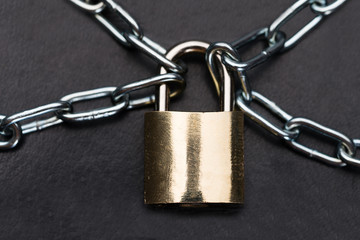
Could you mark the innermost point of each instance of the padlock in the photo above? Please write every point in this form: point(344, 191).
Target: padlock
point(194, 159)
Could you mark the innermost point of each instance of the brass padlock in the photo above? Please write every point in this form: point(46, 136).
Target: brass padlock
point(194, 159)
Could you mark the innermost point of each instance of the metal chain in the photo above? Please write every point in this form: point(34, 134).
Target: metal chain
point(276, 39)
point(11, 128)
point(293, 126)
point(131, 37)
point(62, 111)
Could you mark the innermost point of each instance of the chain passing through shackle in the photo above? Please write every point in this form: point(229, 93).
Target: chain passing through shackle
point(194, 159)
point(13, 127)
point(278, 42)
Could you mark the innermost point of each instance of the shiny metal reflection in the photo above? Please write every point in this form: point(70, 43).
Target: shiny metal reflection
point(194, 159)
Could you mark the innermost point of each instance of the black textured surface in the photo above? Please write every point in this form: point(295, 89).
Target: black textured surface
point(86, 182)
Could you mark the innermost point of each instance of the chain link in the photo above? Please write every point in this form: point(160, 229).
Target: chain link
point(326, 9)
point(39, 125)
point(98, 8)
point(349, 158)
point(175, 81)
point(289, 14)
point(131, 37)
point(285, 134)
point(344, 141)
point(60, 106)
point(260, 34)
point(92, 114)
point(13, 135)
point(227, 49)
point(293, 127)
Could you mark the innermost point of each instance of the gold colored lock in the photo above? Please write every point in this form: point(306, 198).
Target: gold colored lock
point(194, 159)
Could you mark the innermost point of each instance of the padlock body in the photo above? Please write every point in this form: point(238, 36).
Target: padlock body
point(194, 158)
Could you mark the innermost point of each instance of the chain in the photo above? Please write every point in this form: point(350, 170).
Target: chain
point(277, 41)
point(62, 110)
point(131, 37)
point(12, 128)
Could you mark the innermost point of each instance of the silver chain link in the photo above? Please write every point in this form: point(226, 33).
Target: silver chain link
point(131, 37)
point(11, 128)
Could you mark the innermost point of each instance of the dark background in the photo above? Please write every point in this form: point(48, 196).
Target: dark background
point(86, 181)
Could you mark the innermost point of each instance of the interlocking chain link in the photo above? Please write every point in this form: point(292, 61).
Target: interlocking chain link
point(12, 129)
point(293, 126)
point(131, 37)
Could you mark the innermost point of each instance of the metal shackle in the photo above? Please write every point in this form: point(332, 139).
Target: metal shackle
point(226, 86)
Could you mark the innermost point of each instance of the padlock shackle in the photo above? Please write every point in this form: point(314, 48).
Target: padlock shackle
point(226, 92)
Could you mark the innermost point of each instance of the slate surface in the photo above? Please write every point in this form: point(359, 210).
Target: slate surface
point(86, 181)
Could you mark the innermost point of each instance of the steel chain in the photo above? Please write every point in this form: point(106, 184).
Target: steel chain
point(277, 41)
point(293, 126)
point(131, 37)
point(12, 129)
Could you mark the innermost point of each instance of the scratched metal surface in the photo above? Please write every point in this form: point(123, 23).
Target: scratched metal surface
point(86, 181)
